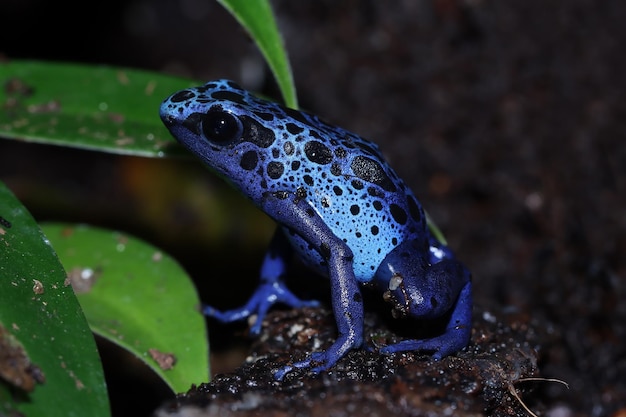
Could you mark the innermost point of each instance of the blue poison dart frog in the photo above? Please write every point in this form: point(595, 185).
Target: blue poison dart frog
point(338, 205)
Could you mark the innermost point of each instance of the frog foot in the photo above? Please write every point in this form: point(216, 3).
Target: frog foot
point(261, 301)
point(441, 346)
point(326, 359)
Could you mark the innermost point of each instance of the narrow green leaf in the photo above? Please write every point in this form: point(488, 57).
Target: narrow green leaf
point(39, 313)
point(435, 230)
point(137, 297)
point(257, 18)
point(92, 107)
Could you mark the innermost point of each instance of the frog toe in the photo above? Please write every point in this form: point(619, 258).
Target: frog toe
point(259, 304)
point(226, 316)
point(440, 347)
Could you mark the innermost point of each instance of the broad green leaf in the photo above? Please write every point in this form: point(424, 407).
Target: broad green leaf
point(257, 18)
point(90, 107)
point(137, 297)
point(40, 314)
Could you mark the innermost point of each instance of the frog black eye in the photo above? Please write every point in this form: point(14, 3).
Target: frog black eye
point(220, 126)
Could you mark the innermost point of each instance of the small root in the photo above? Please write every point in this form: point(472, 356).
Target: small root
point(518, 398)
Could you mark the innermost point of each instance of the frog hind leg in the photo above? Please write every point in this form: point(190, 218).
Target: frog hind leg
point(271, 289)
point(456, 335)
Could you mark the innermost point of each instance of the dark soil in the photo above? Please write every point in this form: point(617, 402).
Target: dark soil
point(508, 121)
point(488, 377)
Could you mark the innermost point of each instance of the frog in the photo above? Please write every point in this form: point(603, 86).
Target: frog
point(339, 207)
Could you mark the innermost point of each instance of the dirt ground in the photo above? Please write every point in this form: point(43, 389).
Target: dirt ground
point(504, 117)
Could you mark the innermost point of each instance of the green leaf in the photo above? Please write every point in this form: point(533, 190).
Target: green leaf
point(137, 297)
point(437, 233)
point(43, 324)
point(91, 107)
point(257, 18)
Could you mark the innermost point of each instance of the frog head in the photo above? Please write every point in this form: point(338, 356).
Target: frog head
point(221, 123)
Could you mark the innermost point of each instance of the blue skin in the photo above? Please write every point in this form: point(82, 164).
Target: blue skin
point(339, 206)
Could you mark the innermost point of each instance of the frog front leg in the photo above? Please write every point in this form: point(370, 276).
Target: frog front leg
point(298, 216)
point(271, 289)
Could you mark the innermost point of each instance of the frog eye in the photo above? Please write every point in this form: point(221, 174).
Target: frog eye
point(220, 126)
